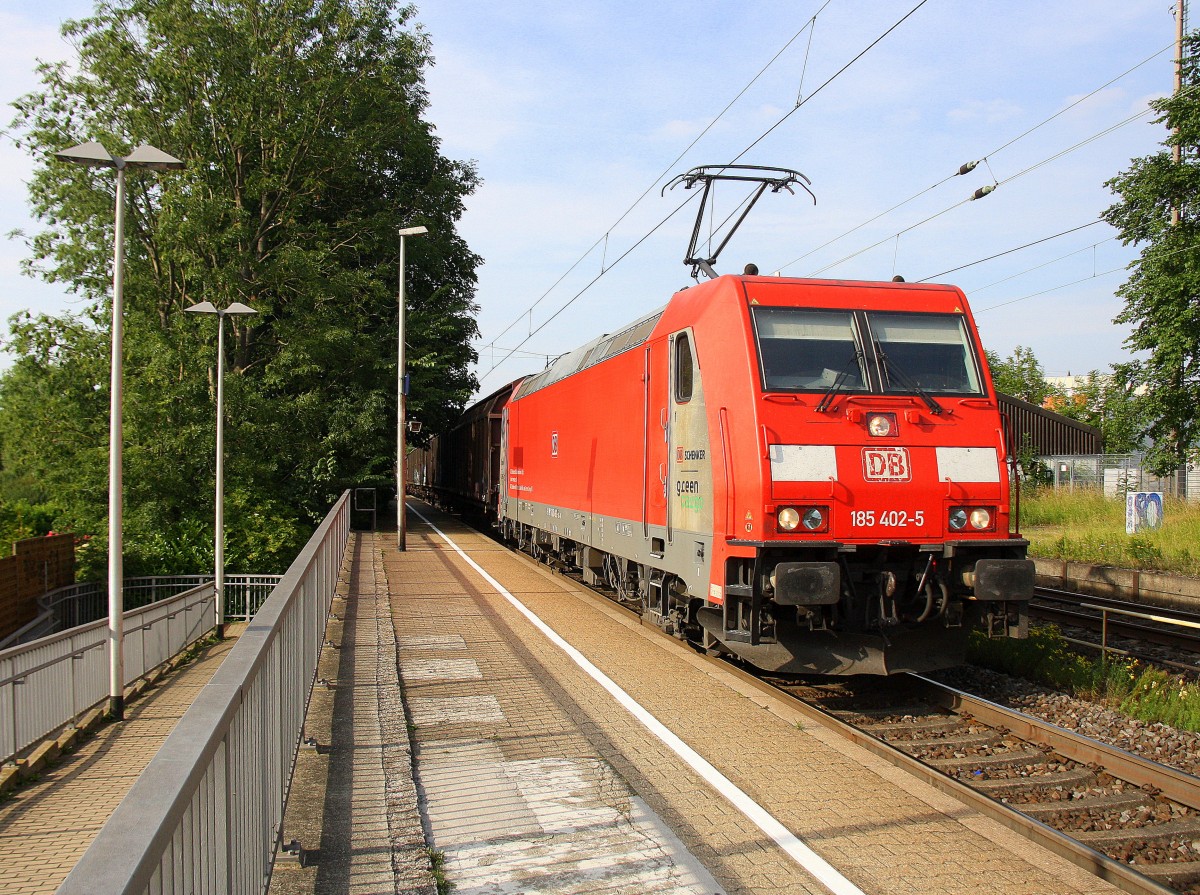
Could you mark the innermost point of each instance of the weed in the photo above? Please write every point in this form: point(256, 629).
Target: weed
point(437, 864)
point(1086, 526)
point(1146, 693)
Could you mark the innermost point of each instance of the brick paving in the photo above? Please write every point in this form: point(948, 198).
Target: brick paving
point(516, 795)
point(502, 716)
point(47, 826)
point(529, 776)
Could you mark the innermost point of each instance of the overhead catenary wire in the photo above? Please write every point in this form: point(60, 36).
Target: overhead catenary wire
point(987, 190)
point(1011, 251)
point(799, 104)
point(971, 165)
point(809, 24)
point(1044, 264)
point(591, 283)
point(1135, 263)
point(801, 100)
point(829, 80)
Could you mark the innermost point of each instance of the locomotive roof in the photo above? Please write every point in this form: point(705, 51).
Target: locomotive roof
point(593, 352)
point(636, 333)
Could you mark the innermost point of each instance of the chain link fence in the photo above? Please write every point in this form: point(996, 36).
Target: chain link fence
point(1119, 474)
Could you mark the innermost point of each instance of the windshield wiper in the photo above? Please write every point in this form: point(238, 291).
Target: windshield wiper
point(826, 402)
point(889, 370)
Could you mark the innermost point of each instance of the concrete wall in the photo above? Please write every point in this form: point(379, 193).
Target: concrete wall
point(1152, 588)
point(37, 565)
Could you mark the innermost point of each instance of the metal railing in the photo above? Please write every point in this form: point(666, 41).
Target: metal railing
point(205, 815)
point(1105, 611)
point(79, 604)
point(49, 683)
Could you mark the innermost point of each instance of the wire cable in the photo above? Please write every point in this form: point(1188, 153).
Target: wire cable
point(666, 171)
point(829, 80)
point(1010, 251)
point(1022, 273)
point(590, 284)
point(999, 183)
point(1135, 263)
point(984, 158)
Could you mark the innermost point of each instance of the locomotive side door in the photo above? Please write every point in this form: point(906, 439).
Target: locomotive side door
point(689, 497)
point(656, 422)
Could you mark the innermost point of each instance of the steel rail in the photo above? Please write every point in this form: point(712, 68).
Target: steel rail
point(1115, 604)
point(1173, 783)
point(1062, 606)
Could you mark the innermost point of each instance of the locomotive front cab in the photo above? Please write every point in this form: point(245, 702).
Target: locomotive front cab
point(885, 533)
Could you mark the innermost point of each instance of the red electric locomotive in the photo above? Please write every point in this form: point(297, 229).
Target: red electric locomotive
point(808, 474)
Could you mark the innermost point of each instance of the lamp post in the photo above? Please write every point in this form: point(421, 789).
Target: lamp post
point(234, 310)
point(94, 155)
point(400, 527)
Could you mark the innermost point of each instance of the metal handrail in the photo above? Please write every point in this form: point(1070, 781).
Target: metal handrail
point(48, 683)
point(208, 808)
point(1106, 610)
point(78, 604)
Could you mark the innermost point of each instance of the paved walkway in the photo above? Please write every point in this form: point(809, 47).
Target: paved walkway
point(47, 826)
point(353, 804)
point(530, 777)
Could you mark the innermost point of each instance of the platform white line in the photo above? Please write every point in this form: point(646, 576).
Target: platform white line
point(821, 869)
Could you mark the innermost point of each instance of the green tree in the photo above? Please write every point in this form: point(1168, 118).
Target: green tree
point(1162, 290)
point(1020, 375)
point(1108, 402)
point(302, 125)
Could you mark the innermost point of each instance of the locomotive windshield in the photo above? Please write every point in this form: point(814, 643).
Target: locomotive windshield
point(805, 349)
point(931, 350)
point(801, 349)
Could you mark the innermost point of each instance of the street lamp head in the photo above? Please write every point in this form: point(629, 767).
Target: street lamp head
point(414, 231)
point(94, 155)
point(238, 308)
point(89, 155)
point(207, 307)
point(147, 156)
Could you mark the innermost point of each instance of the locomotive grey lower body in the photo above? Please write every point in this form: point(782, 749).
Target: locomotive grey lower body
point(824, 609)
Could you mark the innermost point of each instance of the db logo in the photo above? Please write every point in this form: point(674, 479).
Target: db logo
point(886, 465)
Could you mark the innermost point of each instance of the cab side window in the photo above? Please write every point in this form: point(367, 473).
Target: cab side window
point(683, 369)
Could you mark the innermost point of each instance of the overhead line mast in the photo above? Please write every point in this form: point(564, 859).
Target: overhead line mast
point(1176, 154)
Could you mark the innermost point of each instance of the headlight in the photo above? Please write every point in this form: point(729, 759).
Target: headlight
point(980, 518)
point(788, 518)
point(812, 518)
point(882, 424)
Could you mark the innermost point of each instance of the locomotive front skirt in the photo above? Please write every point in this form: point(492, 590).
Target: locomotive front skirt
point(808, 474)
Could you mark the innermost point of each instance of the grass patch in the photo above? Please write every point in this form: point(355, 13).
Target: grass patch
point(1125, 685)
point(1086, 526)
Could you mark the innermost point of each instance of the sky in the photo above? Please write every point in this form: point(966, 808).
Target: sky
point(577, 116)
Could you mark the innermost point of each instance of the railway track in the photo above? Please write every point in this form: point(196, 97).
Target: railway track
point(1132, 821)
point(1125, 628)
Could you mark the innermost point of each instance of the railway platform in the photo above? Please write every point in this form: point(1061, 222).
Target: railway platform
point(47, 825)
point(478, 711)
